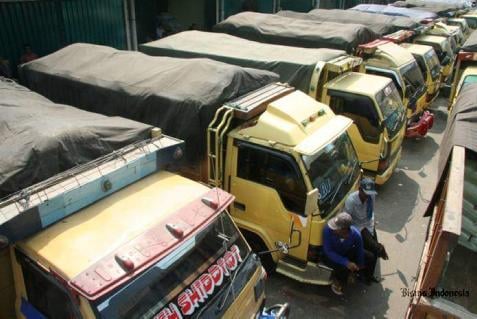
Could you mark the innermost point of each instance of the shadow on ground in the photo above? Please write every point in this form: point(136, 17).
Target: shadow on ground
point(392, 214)
point(319, 302)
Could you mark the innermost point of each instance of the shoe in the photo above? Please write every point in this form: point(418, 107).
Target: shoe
point(337, 288)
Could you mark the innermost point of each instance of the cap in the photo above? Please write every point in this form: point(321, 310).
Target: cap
point(368, 186)
point(341, 221)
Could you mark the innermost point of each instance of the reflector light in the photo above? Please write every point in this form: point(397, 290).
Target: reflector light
point(175, 230)
point(370, 48)
point(210, 202)
point(399, 36)
point(427, 21)
point(125, 263)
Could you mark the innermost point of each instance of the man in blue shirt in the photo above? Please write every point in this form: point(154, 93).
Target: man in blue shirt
point(343, 250)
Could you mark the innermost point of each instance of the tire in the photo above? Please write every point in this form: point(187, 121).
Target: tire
point(257, 245)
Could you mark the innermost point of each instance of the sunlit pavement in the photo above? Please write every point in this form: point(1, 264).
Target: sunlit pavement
point(401, 228)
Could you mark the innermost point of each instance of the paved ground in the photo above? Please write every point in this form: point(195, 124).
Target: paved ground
point(401, 227)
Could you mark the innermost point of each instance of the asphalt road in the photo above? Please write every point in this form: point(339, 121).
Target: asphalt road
point(401, 228)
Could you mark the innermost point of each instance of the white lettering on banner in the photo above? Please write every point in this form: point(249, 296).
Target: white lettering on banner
point(203, 287)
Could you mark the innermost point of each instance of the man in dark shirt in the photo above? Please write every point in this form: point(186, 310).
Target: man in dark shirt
point(343, 250)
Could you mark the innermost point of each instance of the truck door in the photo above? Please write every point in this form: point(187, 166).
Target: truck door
point(270, 196)
point(365, 132)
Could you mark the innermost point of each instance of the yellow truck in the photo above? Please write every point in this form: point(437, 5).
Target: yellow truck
point(324, 74)
point(465, 71)
point(381, 57)
point(426, 59)
point(118, 236)
point(446, 278)
point(286, 158)
point(444, 52)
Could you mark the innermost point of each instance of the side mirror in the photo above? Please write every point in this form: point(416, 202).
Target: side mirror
point(311, 205)
point(282, 247)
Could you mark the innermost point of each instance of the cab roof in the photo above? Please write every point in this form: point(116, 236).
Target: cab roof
point(287, 120)
point(390, 53)
point(79, 241)
point(359, 83)
point(415, 48)
point(431, 39)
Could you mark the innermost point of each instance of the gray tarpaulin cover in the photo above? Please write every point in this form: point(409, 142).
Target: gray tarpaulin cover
point(441, 9)
point(338, 17)
point(272, 28)
point(470, 44)
point(461, 130)
point(416, 15)
point(294, 65)
point(344, 16)
point(180, 96)
point(40, 139)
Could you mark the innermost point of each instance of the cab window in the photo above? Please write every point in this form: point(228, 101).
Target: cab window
point(361, 110)
point(44, 293)
point(273, 169)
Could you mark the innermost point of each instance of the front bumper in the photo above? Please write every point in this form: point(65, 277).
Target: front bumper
point(311, 273)
point(384, 177)
point(421, 127)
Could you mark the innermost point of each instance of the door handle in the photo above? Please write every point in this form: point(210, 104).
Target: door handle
point(240, 206)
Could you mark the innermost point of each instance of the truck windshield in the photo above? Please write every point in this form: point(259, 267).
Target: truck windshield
point(433, 62)
point(449, 46)
point(472, 22)
point(199, 278)
point(413, 78)
point(333, 171)
point(392, 108)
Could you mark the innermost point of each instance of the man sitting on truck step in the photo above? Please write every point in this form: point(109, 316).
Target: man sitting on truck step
point(360, 205)
point(344, 251)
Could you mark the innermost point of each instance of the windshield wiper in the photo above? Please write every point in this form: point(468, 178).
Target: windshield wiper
point(229, 288)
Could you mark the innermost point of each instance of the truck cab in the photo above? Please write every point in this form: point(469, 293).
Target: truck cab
point(290, 169)
point(159, 246)
point(444, 52)
point(379, 119)
point(462, 24)
point(426, 59)
point(453, 32)
point(429, 65)
point(384, 58)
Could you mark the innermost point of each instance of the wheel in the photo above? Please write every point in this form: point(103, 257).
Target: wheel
point(258, 246)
